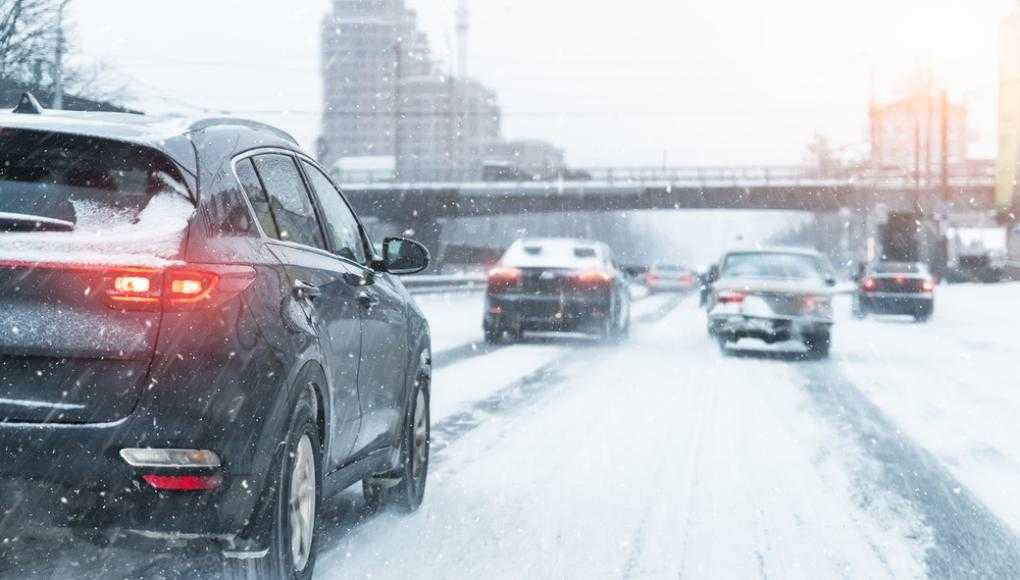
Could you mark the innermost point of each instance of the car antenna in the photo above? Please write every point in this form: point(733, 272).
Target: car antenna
point(28, 105)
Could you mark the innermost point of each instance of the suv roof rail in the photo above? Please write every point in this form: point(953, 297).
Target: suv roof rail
point(28, 105)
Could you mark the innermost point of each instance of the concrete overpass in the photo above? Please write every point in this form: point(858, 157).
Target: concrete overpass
point(622, 189)
point(423, 207)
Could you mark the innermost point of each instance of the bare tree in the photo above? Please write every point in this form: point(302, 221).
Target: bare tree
point(34, 43)
point(29, 33)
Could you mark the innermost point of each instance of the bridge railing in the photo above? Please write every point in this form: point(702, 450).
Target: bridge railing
point(961, 175)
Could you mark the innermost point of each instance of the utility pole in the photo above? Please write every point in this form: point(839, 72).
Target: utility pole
point(58, 60)
point(944, 150)
point(398, 53)
point(463, 25)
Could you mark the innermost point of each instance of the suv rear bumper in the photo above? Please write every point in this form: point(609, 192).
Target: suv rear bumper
point(72, 476)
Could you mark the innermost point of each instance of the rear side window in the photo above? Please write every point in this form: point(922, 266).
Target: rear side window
point(289, 201)
point(257, 196)
point(341, 225)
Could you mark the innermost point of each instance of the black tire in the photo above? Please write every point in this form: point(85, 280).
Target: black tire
point(404, 488)
point(493, 335)
point(281, 558)
point(722, 341)
point(859, 312)
point(818, 345)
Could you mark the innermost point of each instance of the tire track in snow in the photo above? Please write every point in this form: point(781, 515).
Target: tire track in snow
point(970, 541)
point(527, 388)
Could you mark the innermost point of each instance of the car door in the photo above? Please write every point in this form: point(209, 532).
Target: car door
point(322, 289)
point(384, 345)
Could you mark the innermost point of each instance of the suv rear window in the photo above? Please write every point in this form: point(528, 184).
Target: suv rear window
point(72, 178)
point(72, 198)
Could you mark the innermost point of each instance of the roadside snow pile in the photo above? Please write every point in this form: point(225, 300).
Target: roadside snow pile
point(107, 236)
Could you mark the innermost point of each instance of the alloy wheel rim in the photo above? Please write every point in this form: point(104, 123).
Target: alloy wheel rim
point(302, 504)
point(421, 436)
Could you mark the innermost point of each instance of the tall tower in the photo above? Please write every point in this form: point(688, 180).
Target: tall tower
point(463, 25)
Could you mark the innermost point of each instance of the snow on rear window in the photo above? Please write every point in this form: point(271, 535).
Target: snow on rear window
point(109, 236)
point(551, 253)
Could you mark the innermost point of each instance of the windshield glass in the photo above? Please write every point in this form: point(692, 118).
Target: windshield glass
point(771, 265)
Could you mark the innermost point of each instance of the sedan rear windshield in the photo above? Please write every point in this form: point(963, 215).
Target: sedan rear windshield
point(71, 178)
point(898, 268)
point(772, 265)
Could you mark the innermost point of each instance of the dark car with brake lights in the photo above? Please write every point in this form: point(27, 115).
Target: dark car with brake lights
point(773, 295)
point(896, 288)
point(556, 284)
point(199, 343)
point(670, 278)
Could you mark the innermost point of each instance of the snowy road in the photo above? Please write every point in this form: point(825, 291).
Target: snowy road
point(661, 458)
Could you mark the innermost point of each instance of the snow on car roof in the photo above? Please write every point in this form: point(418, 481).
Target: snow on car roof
point(553, 253)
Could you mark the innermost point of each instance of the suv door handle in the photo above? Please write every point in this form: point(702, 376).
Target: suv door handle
point(367, 299)
point(305, 291)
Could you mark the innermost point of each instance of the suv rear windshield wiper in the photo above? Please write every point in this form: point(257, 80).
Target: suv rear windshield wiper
point(21, 222)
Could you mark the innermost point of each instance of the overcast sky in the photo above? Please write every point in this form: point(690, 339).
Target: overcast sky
point(621, 83)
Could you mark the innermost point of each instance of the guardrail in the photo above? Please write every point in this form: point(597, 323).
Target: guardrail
point(436, 284)
point(960, 175)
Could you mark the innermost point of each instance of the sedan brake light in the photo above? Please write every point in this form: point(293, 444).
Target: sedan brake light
point(593, 278)
point(869, 284)
point(730, 297)
point(504, 278)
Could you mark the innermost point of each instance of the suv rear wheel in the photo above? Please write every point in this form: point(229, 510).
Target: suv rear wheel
point(295, 497)
point(405, 487)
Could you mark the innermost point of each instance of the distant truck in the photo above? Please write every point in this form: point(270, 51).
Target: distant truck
point(899, 238)
point(978, 254)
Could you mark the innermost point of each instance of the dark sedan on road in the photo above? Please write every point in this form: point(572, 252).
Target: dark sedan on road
point(556, 284)
point(896, 288)
point(774, 295)
point(199, 344)
point(670, 278)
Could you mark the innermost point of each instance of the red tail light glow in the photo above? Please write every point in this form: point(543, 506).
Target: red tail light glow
point(184, 482)
point(870, 284)
point(730, 297)
point(593, 278)
point(188, 288)
point(503, 278)
point(928, 286)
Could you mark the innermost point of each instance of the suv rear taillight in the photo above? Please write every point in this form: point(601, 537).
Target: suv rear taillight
point(193, 287)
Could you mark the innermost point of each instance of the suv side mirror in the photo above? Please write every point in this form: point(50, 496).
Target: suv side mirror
point(401, 256)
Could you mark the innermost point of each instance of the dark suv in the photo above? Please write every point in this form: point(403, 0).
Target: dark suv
point(198, 343)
